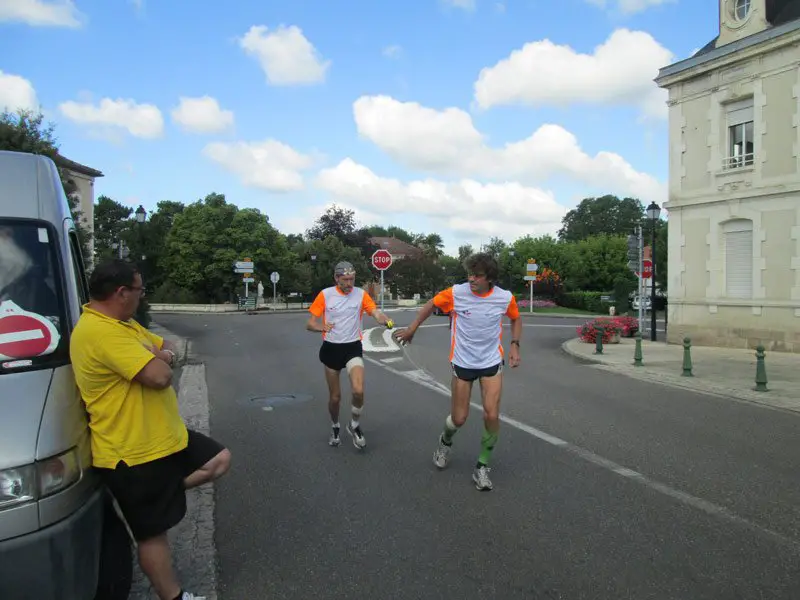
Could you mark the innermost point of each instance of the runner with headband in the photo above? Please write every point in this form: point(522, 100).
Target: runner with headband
point(337, 313)
point(476, 353)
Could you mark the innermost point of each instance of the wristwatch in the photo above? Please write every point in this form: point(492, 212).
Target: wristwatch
point(515, 342)
point(171, 357)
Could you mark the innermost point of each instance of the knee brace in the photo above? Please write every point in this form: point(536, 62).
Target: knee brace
point(354, 362)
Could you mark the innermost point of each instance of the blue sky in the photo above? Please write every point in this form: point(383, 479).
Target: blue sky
point(470, 118)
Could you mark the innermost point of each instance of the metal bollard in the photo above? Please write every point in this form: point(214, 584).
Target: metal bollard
point(637, 353)
point(598, 340)
point(687, 357)
point(761, 370)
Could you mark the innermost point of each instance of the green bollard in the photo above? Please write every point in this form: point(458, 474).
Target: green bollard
point(637, 353)
point(598, 340)
point(761, 370)
point(687, 357)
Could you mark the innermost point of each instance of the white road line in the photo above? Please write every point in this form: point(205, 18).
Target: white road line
point(715, 510)
point(391, 359)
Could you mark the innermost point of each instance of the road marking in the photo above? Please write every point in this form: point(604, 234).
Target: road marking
point(423, 378)
point(391, 359)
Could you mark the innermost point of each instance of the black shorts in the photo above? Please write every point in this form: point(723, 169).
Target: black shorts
point(152, 495)
point(336, 356)
point(473, 374)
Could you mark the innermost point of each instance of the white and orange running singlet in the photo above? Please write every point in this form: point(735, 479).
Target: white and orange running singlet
point(345, 311)
point(477, 329)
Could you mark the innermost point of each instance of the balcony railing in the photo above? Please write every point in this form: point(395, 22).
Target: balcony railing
point(737, 162)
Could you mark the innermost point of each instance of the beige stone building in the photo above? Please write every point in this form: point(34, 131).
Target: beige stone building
point(734, 181)
point(83, 177)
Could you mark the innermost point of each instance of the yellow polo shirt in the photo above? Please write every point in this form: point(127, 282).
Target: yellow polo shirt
point(128, 421)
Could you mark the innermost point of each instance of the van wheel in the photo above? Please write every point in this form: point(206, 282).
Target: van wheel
point(116, 559)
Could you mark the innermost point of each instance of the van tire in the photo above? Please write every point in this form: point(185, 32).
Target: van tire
point(115, 576)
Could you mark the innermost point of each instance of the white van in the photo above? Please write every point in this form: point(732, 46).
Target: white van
point(60, 538)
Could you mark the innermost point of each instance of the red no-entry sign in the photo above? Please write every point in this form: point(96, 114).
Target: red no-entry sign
point(647, 269)
point(24, 334)
point(381, 260)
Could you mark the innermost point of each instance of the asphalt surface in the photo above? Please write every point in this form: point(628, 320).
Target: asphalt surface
point(605, 486)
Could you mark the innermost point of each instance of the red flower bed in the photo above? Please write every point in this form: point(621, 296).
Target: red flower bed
point(624, 326)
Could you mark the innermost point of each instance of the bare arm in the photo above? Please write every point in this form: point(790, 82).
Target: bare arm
point(156, 374)
point(407, 334)
point(514, 357)
point(314, 324)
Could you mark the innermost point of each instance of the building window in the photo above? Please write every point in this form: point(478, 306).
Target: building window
point(741, 137)
point(742, 9)
point(738, 235)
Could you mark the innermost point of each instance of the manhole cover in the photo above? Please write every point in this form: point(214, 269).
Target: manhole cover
point(276, 400)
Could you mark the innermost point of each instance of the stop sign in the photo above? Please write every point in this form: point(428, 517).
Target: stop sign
point(381, 260)
point(647, 269)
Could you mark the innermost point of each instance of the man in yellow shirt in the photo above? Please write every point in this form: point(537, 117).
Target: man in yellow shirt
point(140, 444)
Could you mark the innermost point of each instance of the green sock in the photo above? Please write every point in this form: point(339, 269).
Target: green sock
point(488, 440)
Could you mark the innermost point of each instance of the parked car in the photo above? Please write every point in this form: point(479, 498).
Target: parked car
point(60, 538)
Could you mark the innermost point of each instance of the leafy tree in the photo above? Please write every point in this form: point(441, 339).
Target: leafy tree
point(209, 236)
point(595, 263)
point(24, 131)
point(336, 221)
point(422, 276)
point(431, 244)
point(111, 219)
point(604, 215)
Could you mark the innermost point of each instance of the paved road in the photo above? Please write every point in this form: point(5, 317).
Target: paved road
point(605, 487)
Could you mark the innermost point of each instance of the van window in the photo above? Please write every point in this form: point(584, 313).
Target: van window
point(77, 265)
point(32, 316)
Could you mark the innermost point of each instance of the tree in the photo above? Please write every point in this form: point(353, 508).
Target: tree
point(111, 219)
point(24, 131)
point(336, 221)
point(604, 215)
point(209, 236)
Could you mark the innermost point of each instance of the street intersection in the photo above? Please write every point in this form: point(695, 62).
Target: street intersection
point(605, 486)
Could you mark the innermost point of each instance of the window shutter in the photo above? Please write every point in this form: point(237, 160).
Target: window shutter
point(740, 112)
point(739, 264)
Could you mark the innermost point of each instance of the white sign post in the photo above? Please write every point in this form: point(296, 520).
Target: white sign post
point(531, 268)
point(246, 268)
point(381, 260)
point(274, 277)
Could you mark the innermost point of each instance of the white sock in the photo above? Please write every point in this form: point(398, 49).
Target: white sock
point(336, 425)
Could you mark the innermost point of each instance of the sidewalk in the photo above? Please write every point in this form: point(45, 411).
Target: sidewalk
point(725, 372)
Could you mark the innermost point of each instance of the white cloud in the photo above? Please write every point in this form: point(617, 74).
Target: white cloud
point(202, 115)
point(630, 7)
point(269, 165)
point(139, 120)
point(285, 54)
point(393, 51)
point(467, 206)
point(447, 142)
point(16, 93)
point(619, 72)
point(41, 13)
point(468, 5)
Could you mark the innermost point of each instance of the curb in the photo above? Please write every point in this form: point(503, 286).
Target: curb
point(676, 381)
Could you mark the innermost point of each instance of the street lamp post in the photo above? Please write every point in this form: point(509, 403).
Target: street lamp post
point(510, 266)
point(653, 213)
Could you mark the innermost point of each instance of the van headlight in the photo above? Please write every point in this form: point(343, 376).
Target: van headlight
point(39, 480)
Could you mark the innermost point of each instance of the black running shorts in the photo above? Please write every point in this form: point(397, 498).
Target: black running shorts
point(473, 374)
point(152, 495)
point(336, 356)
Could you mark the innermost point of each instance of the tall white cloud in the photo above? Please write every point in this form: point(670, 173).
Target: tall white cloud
point(466, 206)
point(620, 71)
point(202, 115)
point(270, 165)
point(285, 54)
point(139, 120)
point(446, 142)
point(16, 93)
point(41, 13)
